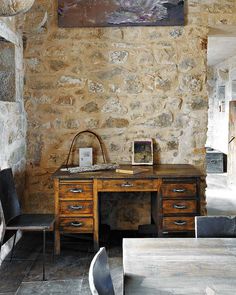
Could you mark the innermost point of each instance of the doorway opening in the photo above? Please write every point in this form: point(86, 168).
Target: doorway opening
point(221, 142)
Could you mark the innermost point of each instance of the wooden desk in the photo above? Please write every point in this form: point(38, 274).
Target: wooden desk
point(179, 266)
point(175, 198)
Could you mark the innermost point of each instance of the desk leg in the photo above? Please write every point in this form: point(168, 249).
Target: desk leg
point(154, 211)
point(57, 240)
point(95, 216)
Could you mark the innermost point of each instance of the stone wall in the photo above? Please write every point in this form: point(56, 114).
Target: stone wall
point(12, 113)
point(124, 83)
point(220, 75)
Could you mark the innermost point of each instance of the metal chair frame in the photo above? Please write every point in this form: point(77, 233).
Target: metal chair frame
point(100, 281)
point(13, 220)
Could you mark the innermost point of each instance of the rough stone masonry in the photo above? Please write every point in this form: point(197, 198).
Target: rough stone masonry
point(125, 84)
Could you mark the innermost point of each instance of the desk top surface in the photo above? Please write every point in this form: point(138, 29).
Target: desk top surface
point(152, 172)
point(179, 266)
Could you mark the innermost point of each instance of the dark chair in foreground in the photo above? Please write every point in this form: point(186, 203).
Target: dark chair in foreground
point(215, 226)
point(13, 220)
point(100, 281)
point(2, 226)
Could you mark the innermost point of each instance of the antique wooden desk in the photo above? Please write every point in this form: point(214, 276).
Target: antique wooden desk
point(179, 266)
point(175, 198)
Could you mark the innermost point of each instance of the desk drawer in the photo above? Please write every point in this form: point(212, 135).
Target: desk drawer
point(179, 190)
point(178, 223)
point(76, 207)
point(76, 224)
point(128, 185)
point(179, 206)
point(76, 190)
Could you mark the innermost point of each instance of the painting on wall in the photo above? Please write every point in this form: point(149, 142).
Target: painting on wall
point(142, 152)
point(102, 13)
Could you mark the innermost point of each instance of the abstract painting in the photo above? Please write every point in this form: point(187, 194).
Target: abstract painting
point(102, 13)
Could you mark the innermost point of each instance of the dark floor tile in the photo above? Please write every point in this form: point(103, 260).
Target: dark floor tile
point(12, 274)
point(30, 246)
point(114, 251)
point(70, 287)
point(85, 290)
point(72, 265)
point(64, 267)
point(116, 269)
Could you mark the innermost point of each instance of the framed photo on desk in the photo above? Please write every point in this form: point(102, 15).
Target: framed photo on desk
point(142, 152)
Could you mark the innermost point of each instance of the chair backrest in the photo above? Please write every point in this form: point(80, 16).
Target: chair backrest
point(215, 226)
point(100, 281)
point(2, 225)
point(8, 195)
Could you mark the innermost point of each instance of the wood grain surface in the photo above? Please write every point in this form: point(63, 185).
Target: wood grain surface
point(179, 266)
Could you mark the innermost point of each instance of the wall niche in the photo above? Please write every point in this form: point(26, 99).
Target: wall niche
point(7, 71)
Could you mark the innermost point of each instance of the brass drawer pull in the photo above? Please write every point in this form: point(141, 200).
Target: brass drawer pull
point(79, 207)
point(180, 190)
point(126, 184)
point(176, 206)
point(76, 190)
point(180, 222)
point(76, 224)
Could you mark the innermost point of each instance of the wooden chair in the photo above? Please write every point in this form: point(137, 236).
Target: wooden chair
point(100, 281)
point(12, 217)
point(215, 226)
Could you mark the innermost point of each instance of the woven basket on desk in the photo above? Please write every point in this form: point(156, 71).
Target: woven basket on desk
point(96, 167)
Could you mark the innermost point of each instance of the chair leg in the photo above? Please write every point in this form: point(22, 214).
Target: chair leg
point(13, 246)
point(44, 246)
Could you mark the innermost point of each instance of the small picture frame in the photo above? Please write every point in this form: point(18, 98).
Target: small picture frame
point(142, 152)
point(86, 157)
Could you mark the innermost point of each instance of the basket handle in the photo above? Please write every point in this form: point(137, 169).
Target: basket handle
point(75, 138)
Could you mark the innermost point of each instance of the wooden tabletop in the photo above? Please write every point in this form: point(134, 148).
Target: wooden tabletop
point(179, 266)
point(156, 171)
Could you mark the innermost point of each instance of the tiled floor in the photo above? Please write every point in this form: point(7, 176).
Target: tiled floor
point(221, 199)
point(68, 273)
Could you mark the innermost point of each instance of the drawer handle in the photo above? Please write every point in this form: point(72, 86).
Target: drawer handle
point(127, 184)
point(76, 190)
point(76, 224)
point(176, 206)
point(213, 161)
point(179, 190)
point(79, 207)
point(180, 222)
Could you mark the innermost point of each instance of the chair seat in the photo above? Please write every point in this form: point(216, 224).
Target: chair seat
point(32, 222)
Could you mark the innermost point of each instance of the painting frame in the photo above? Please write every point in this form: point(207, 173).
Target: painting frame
point(142, 152)
point(103, 13)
